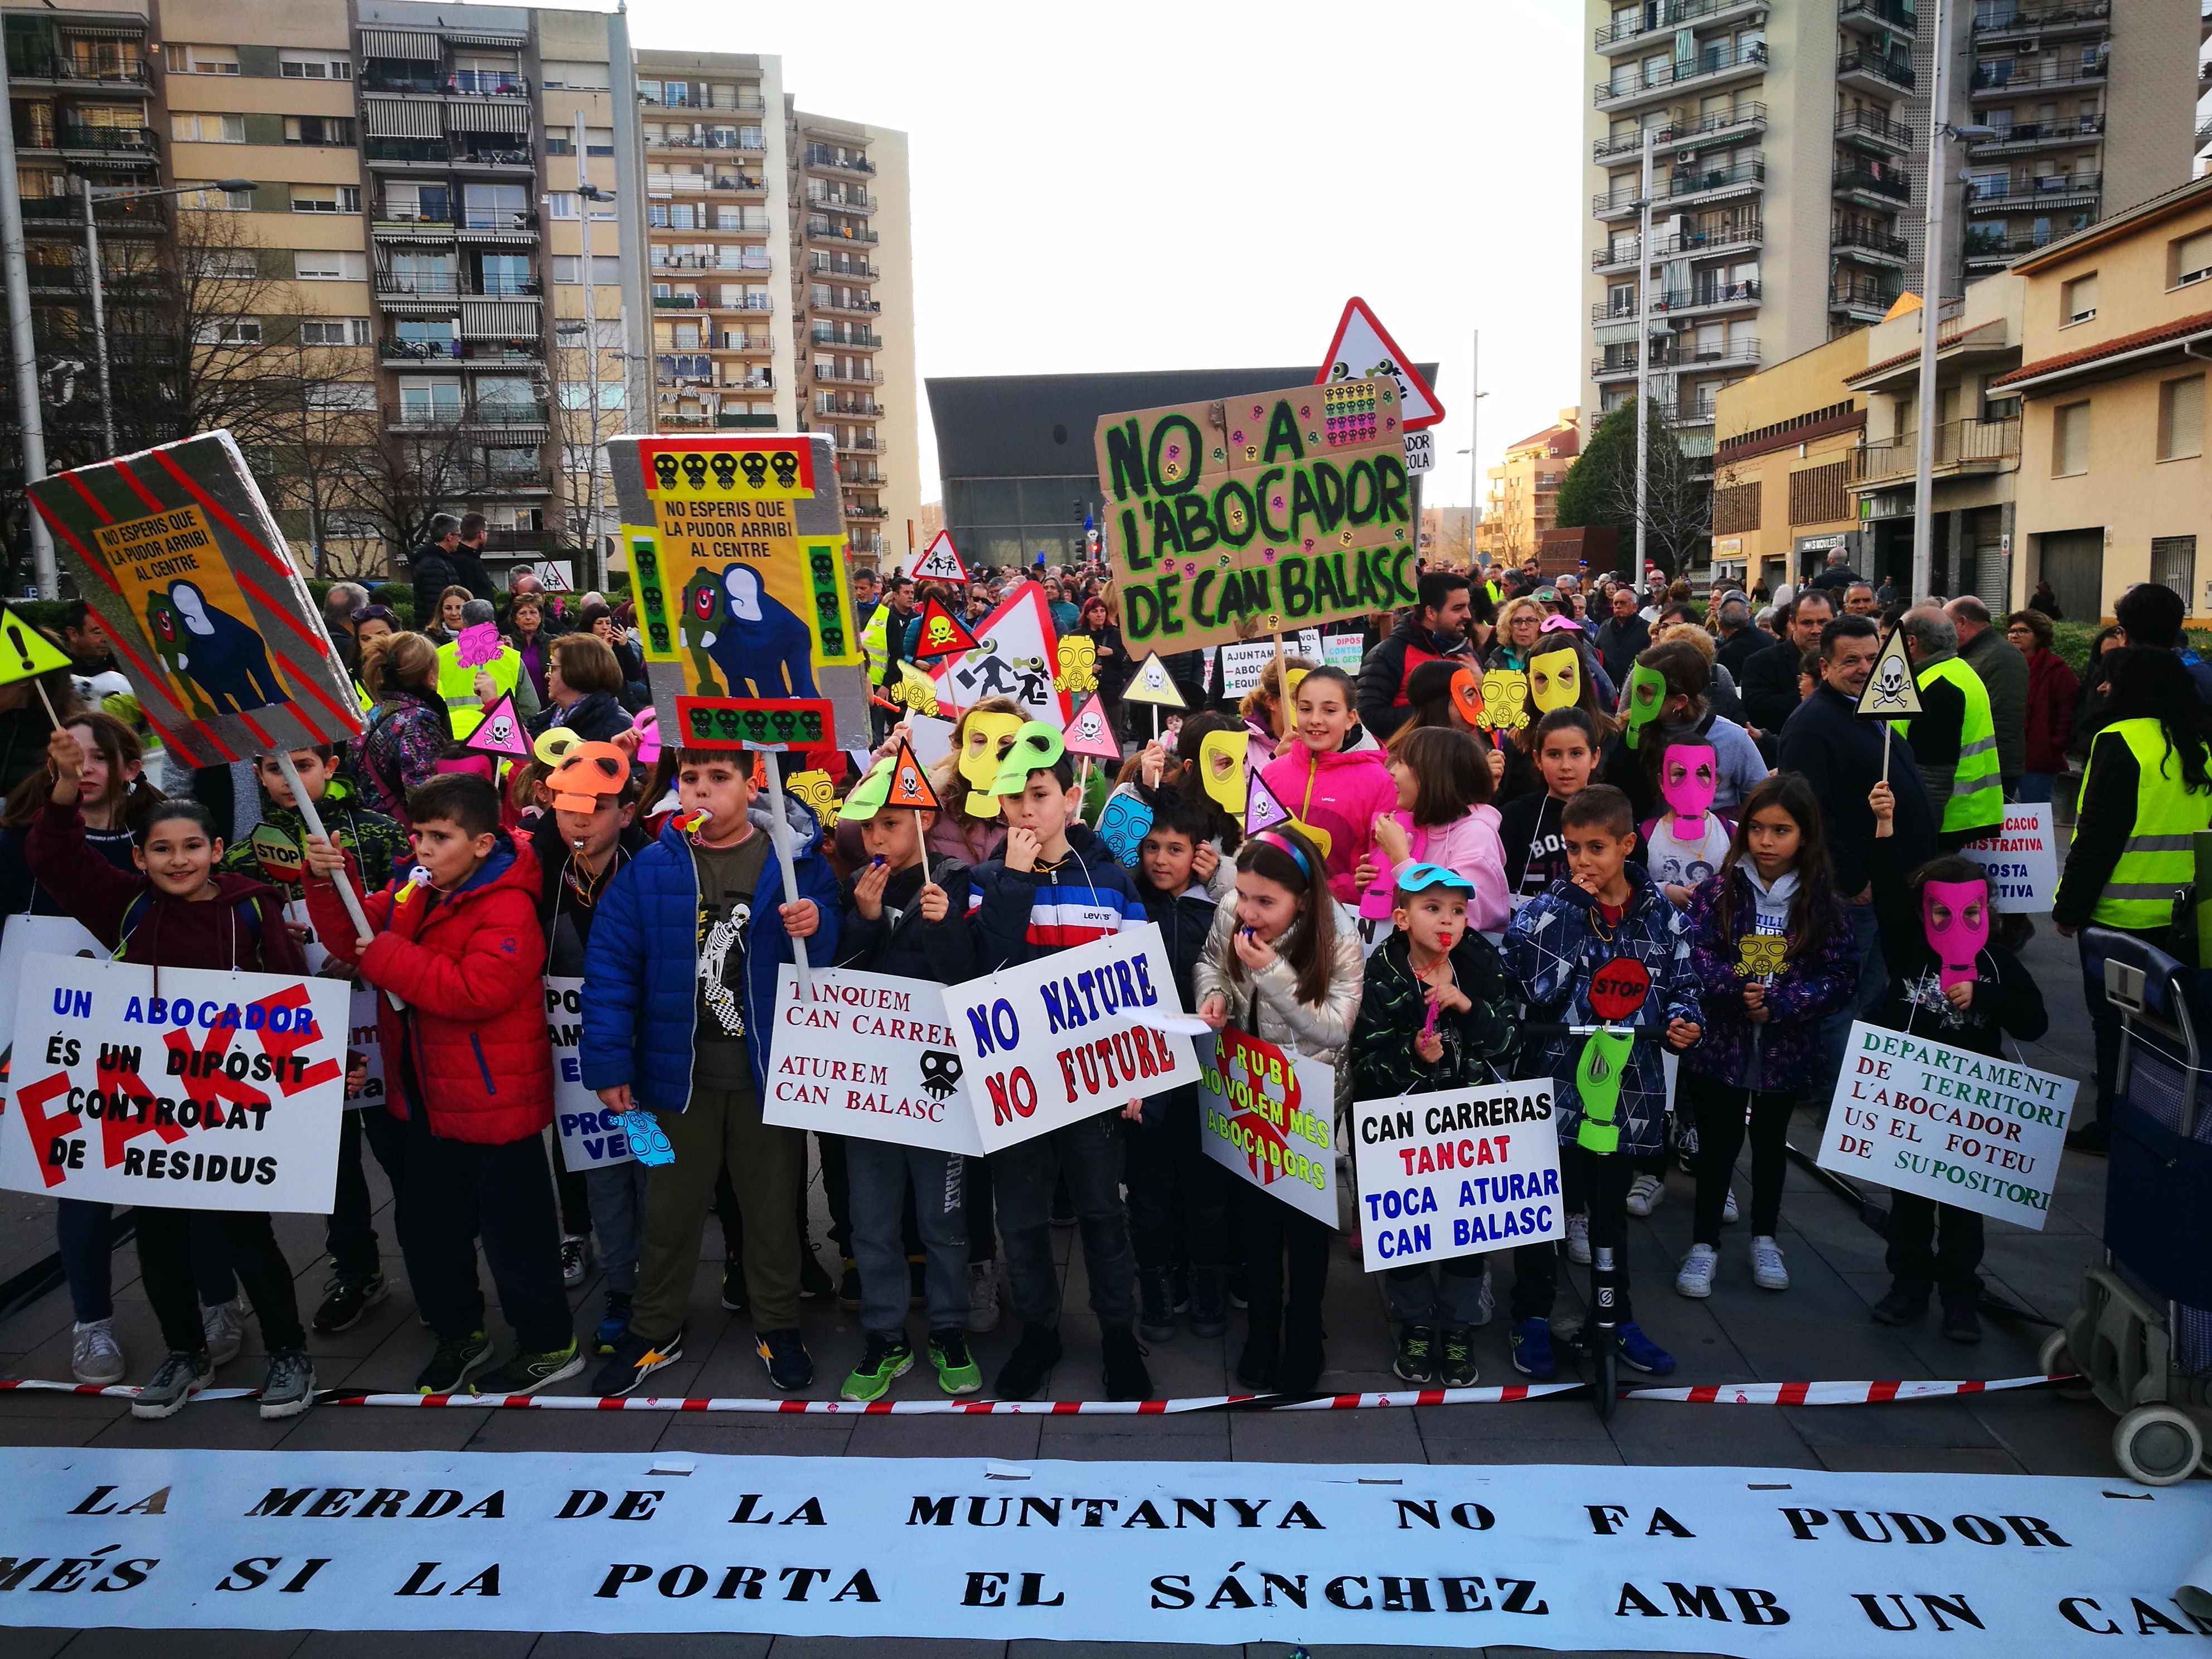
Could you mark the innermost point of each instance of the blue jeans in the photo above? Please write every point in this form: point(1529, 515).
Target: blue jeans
point(879, 1172)
point(617, 1195)
point(84, 1232)
point(2034, 788)
point(1089, 1153)
point(1836, 1028)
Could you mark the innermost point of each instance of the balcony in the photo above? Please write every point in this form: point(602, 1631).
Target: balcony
point(480, 354)
point(1877, 186)
point(1862, 299)
point(1999, 20)
point(733, 142)
point(400, 227)
point(664, 261)
point(1707, 296)
point(848, 307)
point(1962, 448)
point(1690, 184)
point(1748, 120)
point(2024, 138)
point(1869, 70)
point(1867, 241)
point(817, 231)
point(858, 338)
point(1619, 363)
point(858, 374)
point(2078, 190)
point(854, 202)
point(1877, 16)
point(66, 213)
point(406, 152)
point(1663, 19)
point(500, 415)
point(2013, 77)
point(862, 406)
point(1731, 237)
point(1988, 248)
point(496, 158)
point(1711, 67)
point(865, 510)
point(28, 63)
point(381, 80)
point(439, 287)
point(824, 158)
point(665, 183)
point(1869, 131)
point(137, 143)
point(487, 83)
point(822, 265)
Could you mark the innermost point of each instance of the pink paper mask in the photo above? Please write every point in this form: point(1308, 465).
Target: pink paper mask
point(1956, 915)
point(1689, 773)
point(477, 645)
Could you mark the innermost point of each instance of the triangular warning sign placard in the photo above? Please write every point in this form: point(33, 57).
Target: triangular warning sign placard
point(1363, 347)
point(500, 732)
point(941, 561)
point(1891, 692)
point(942, 633)
point(1151, 683)
point(1263, 810)
point(909, 783)
point(25, 653)
point(1090, 733)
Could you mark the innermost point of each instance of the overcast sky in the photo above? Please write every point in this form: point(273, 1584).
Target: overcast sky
point(1147, 185)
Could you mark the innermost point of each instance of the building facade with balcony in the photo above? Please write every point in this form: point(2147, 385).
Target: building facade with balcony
point(1523, 498)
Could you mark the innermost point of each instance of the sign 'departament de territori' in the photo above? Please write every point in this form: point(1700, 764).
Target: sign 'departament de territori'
point(1251, 515)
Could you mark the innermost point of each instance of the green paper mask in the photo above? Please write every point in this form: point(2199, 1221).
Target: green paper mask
point(1597, 1081)
point(1641, 699)
point(869, 794)
point(1034, 747)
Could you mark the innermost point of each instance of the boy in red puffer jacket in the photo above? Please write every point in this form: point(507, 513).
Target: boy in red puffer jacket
point(471, 1073)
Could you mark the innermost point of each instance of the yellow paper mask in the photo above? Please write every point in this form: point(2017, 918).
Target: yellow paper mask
point(986, 739)
point(1221, 768)
point(1555, 680)
point(1505, 699)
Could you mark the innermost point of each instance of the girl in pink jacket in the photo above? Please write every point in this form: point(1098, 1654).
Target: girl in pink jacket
point(1443, 817)
point(1327, 787)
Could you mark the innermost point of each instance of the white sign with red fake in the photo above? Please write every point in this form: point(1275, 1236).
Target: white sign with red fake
point(1270, 1117)
point(213, 1092)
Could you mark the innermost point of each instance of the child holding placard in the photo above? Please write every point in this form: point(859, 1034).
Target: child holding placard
point(1283, 964)
point(1333, 792)
point(1444, 817)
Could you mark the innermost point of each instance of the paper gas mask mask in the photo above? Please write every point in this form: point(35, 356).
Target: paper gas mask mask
point(1035, 746)
point(1467, 696)
point(1505, 699)
point(586, 772)
point(1956, 915)
point(1555, 680)
point(1221, 762)
point(1689, 773)
point(985, 740)
point(1641, 699)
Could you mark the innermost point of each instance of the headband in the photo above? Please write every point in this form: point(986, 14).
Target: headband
point(1271, 839)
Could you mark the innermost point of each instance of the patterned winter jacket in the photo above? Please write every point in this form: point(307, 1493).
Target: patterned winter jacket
point(1557, 944)
point(1394, 1005)
point(1782, 1055)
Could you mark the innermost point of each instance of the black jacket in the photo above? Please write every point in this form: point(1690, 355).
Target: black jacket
point(1619, 643)
point(595, 719)
point(1382, 687)
point(1529, 828)
point(1840, 755)
point(1185, 919)
point(431, 568)
point(2006, 1003)
point(1768, 685)
point(1739, 648)
point(1393, 1006)
point(900, 941)
point(564, 913)
point(1835, 579)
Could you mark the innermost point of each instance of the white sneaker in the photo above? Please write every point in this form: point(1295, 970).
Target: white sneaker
point(1696, 1279)
point(1728, 1210)
point(576, 1256)
point(1486, 1300)
point(983, 1295)
point(224, 1325)
point(1579, 1240)
point(96, 1355)
point(1766, 1269)
point(1644, 1193)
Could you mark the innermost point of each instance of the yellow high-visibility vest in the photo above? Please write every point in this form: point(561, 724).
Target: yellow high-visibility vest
point(1977, 800)
point(2159, 859)
point(457, 686)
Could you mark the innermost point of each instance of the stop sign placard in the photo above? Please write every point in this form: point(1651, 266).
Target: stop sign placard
point(1617, 989)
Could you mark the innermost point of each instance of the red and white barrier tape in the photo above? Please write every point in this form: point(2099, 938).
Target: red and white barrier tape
point(1734, 1394)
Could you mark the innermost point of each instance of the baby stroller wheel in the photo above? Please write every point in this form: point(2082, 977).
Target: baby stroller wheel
point(2158, 1445)
point(2055, 1358)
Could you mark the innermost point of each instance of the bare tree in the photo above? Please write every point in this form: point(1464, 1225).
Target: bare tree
point(404, 476)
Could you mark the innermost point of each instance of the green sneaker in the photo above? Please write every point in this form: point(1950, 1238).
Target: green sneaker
point(457, 1357)
point(957, 1373)
point(526, 1373)
point(888, 1360)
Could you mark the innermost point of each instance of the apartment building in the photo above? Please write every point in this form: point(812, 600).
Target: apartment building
point(1523, 498)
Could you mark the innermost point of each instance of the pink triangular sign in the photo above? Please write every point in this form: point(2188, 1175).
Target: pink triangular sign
point(1262, 809)
point(1088, 733)
point(500, 732)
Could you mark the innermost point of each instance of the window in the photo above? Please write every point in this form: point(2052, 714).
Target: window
point(327, 199)
point(592, 77)
point(2192, 258)
point(496, 207)
point(207, 196)
point(208, 129)
point(599, 141)
point(504, 273)
point(201, 60)
point(2077, 302)
point(607, 272)
point(425, 400)
point(340, 394)
point(649, 90)
point(334, 331)
point(1817, 495)
point(294, 67)
point(2069, 440)
point(2173, 564)
point(318, 265)
point(558, 142)
point(2181, 418)
point(230, 331)
point(318, 130)
point(233, 265)
point(577, 394)
point(561, 204)
point(1735, 509)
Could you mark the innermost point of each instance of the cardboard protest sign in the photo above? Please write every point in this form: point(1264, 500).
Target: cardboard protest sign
point(26, 936)
point(1251, 515)
point(220, 1091)
point(1456, 1173)
point(1964, 1128)
point(1054, 1040)
point(500, 732)
point(1016, 655)
point(194, 581)
point(1270, 1117)
point(868, 1054)
point(363, 1044)
point(1891, 690)
point(941, 561)
point(592, 1137)
point(2021, 858)
point(736, 550)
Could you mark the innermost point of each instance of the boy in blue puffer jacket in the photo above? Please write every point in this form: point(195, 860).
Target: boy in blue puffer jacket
point(679, 989)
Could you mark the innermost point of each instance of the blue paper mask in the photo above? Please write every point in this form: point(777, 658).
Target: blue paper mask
point(647, 1144)
point(1122, 826)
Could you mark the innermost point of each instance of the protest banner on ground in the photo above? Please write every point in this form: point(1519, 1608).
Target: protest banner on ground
point(211, 620)
point(1979, 1133)
point(1054, 1040)
point(2021, 859)
point(867, 1055)
point(1793, 1563)
point(1456, 1173)
point(591, 1135)
point(736, 553)
point(1250, 515)
point(213, 1092)
point(1016, 655)
point(363, 1043)
point(25, 936)
point(1270, 1117)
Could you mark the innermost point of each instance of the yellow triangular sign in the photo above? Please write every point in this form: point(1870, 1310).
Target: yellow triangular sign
point(1891, 692)
point(1905, 305)
point(25, 653)
point(1151, 683)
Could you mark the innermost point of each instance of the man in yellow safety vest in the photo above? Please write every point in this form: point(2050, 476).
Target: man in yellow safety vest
point(1953, 737)
point(468, 690)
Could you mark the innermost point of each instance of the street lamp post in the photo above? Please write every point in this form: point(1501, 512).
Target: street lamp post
point(587, 194)
point(1643, 339)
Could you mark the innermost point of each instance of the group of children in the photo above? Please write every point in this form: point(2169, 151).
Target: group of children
point(678, 934)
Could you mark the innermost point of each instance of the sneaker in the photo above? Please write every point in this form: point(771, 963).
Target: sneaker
point(1156, 1315)
point(346, 1299)
point(812, 1280)
point(1209, 1313)
point(175, 1380)
point(1766, 1269)
point(1126, 1375)
point(1640, 1353)
point(1961, 1323)
point(615, 1327)
point(1532, 1349)
point(224, 1326)
point(848, 1288)
point(1416, 1353)
point(1023, 1374)
point(1486, 1300)
point(1696, 1279)
point(1730, 1213)
point(1579, 1240)
point(635, 1360)
point(983, 1295)
point(1459, 1370)
point(887, 1359)
point(1644, 1193)
point(526, 1372)
point(734, 1297)
point(790, 1367)
point(576, 1256)
point(96, 1357)
point(289, 1387)
point(1900, 1307)
point(456, 1361)
point(957, 1373)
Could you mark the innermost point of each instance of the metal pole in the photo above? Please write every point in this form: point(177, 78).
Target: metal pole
point(595, 573)
point(15, 266)
point(1473, 450)
point(1642, 341)
point(92, 276)
point(1931, 304)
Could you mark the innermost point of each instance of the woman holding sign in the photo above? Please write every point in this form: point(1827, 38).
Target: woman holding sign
point(179, 911)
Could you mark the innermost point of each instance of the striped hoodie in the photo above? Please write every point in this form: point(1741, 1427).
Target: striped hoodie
point(1021, 915)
